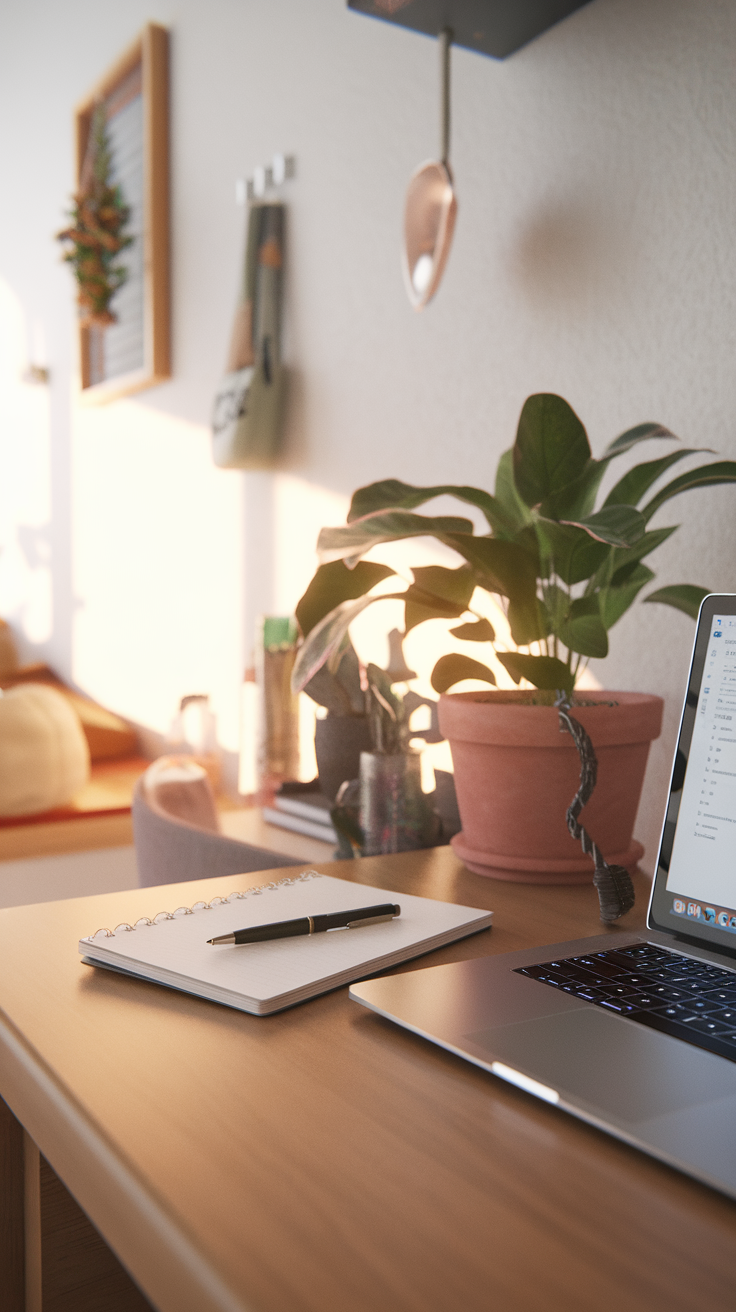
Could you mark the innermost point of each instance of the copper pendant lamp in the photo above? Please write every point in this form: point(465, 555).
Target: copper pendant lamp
point(431, 206)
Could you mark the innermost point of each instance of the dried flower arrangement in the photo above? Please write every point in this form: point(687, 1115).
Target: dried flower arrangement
point(96, 237)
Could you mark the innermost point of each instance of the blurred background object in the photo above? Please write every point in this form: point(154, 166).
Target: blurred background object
point(177, 832)
point(193, 732)
point(276, 655)
point(44, 757)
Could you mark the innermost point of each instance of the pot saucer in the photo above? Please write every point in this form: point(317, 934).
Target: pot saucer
point(521, 870)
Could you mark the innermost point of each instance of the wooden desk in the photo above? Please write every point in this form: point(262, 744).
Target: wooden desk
point(247, 824)
point(323, 1158)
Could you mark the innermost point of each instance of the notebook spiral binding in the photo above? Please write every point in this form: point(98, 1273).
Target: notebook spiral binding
point(144, 921)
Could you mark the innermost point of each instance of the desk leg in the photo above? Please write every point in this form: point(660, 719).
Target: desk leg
point(32, 1219)
point(12, 1248)
point(51, 1257)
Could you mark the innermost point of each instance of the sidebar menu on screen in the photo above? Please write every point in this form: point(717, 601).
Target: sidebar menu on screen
point(703, 862)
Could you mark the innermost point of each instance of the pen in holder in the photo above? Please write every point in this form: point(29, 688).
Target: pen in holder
point(385, 810)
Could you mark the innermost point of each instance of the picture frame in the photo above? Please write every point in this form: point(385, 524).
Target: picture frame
point(135, 352)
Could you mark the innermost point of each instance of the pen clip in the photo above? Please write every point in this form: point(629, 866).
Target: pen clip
point(371, 920)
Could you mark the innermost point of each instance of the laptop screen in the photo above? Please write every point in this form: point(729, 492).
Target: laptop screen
point(694, 894)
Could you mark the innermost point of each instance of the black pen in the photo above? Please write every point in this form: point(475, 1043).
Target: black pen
point(312, 924)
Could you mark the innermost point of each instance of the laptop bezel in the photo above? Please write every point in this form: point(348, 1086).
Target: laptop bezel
point(659, 916)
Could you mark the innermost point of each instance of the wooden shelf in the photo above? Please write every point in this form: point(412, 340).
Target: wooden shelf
point(98, 816)
point(109, 792)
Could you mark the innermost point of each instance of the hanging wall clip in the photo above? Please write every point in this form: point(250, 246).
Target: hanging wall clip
point(281, 169)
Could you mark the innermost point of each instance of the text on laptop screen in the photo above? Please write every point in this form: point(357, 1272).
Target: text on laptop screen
point(703, 863)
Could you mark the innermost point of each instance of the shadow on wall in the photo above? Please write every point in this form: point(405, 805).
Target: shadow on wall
point(569, 252)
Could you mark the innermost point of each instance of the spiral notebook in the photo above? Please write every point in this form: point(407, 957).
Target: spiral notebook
point(261, 978)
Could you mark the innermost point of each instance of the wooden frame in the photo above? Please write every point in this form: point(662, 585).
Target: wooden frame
point(142, 71)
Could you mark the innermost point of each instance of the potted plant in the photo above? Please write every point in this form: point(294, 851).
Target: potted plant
point(563, 573)
point(383, 809)
point(349, 695)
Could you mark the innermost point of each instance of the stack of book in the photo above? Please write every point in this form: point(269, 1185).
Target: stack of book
point(303, 809)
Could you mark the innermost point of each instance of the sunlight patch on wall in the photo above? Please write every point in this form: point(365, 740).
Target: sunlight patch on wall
point(157, 567)
point(25, 487)
point(302, 509)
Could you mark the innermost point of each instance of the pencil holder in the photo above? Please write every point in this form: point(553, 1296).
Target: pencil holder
point(395, 815)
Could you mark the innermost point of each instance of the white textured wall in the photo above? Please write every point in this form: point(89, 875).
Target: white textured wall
point(594, 256)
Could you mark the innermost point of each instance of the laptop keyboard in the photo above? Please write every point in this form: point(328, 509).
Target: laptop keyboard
point(691, 1000)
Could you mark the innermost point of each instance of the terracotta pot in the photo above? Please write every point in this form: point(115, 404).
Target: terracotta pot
point(516, 774)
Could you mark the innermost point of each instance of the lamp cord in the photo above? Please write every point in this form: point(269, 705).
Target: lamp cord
point(445, 39)
point(613, 883)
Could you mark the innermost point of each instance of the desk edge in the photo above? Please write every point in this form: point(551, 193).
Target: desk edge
point(159, 1254)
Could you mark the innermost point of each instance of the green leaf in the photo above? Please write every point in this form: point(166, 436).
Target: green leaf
point(631, 488)
point(617, 526)
point(323, 643)
point(391, 494)
point(614, 569)
point(351, 541)
point(451, 669)
point(527, 539)
point(477, 631)
point(621, 576)
point(499, 566)
point(583, 631)
point(339, 691)
point(648, 542)
point(642, 433)
point(456, 585)
point(527, 620)
point(683, 596)
point(569, 552)
point(625, 587)
point(721, 471)
point(379, 683)
point(507, 569)
point(334, 583)
point(551, 448)
point(437, 593)
point(557, 603)
point(506, 493)
point(576, 622)
point(421, 606)
point(578, 498)
point(542, 671)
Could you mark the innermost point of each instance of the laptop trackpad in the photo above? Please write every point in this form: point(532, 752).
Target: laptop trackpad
point(624, 1069)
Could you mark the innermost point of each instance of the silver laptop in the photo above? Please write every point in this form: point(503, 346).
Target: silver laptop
point(635, 1033)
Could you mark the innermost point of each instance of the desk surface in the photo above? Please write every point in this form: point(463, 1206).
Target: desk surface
point(324, 1158)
